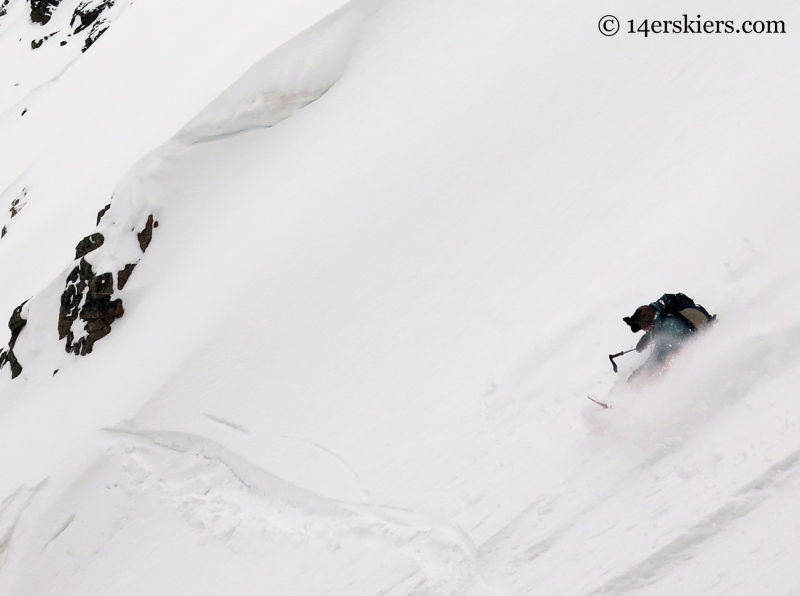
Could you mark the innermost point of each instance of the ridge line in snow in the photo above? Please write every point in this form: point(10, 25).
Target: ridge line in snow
point(227, 423)
point(338, 458)
point(741, 503)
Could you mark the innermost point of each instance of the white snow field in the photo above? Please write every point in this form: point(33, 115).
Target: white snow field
point(382, 251)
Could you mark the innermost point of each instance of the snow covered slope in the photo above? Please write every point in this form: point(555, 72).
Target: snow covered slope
point(41, 39)
point(343, 274)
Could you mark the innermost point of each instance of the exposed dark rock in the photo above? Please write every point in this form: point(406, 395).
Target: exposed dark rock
point(63, 43)
point(101, 286)
point(86, 15)
point(36, 43)
point(3, 6)
point(18, 203)
point(88, 244)
point(87, 296)
point(99, 314)
point(16, 367)
point(100, 309)
point(25, 111)
point(146, 235)
point(15, 324)
point(8, 357)
point(3, 232)
point(42, 10)
point(15, 206)
point(124, 274)
point(71, 298)
point(96, 325)
point(98, 29)
point(102, 212)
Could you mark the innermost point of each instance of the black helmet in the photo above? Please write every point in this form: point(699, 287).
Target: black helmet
point(642, 318)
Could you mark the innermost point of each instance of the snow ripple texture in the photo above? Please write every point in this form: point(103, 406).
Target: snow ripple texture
point(224, 497)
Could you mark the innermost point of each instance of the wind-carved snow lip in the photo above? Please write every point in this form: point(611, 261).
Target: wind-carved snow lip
point(222, 493)
point(266, 110)
point(293, 76)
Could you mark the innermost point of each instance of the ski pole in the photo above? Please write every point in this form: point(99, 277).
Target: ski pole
point(612, 356)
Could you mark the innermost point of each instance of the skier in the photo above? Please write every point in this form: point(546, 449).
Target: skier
point(668, 323)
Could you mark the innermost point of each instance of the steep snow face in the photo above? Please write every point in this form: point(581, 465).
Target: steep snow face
point(289, 78)
point(355, 354)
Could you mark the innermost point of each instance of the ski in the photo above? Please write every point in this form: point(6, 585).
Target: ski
point(599, 403)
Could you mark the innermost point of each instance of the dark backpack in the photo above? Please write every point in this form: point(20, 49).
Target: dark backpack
point(685, 309)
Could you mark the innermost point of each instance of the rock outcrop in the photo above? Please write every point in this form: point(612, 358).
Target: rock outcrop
point(102, 212)
point(123, 275)
point(90, 14)
point(146, 235)
point(15, 324)
point(87, 296)
point(16, 206)
point(87, 13)
point(90, 19)
point(91, 243)
point(42, 10)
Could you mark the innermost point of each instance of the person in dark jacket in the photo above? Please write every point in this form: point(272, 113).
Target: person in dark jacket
point(668, 323)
